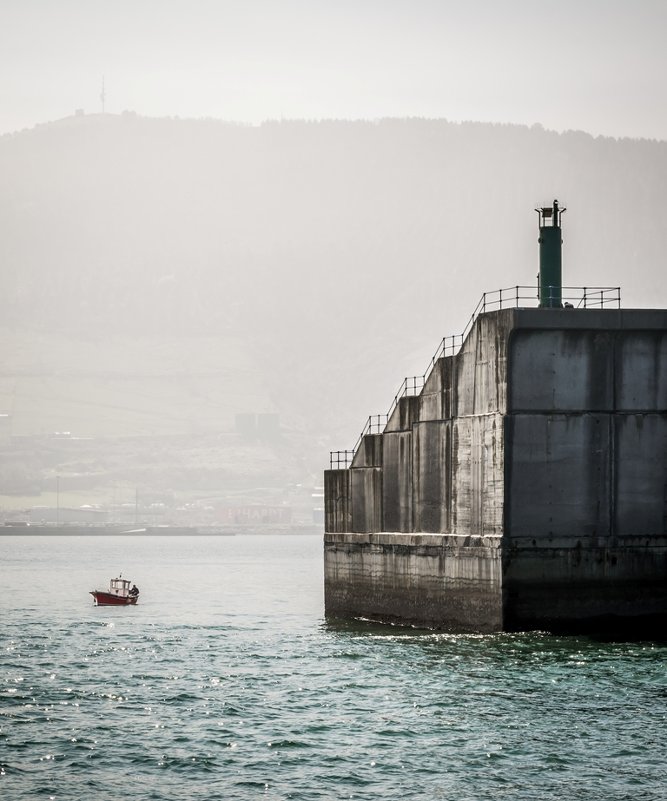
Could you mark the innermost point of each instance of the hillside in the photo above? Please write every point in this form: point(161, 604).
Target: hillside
point(160, 276)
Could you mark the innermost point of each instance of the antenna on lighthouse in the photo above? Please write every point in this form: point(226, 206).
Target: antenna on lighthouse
point(103, 95)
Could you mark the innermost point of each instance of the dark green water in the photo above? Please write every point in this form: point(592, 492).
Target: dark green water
point(225, 682)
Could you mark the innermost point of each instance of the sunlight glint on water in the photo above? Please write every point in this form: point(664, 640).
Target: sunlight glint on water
point(226, 682)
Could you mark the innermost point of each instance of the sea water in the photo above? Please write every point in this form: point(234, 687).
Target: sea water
point(226, 682)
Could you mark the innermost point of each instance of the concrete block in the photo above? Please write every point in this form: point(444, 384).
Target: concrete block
point(432, 475)
point(397, 481)
point(478, 481)
point(561, 370)
point(430, 406)
point(337, 507)
point(559, 473)
point(404, 415)
point(481, 366)
point(640, 475)
point(369, 452)
point(435, 380)
point(437, 397)
point(641, 371)
point(366, 495)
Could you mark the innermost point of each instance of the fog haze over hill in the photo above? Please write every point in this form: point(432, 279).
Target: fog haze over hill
point(299, 268)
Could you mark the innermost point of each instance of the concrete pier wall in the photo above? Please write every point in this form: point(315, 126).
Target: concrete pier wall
point(415, 579)
point(547, 435)
point(572, 586)
point(586, 450)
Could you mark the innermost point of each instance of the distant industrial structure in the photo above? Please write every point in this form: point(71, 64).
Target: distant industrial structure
point(521, 482)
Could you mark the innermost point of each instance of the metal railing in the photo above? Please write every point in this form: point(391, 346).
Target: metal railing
point(514, 297)
point(340, 460)
point(599, 296)
point(575, 297)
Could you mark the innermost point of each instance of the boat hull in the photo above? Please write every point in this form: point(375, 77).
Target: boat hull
point(109, 599)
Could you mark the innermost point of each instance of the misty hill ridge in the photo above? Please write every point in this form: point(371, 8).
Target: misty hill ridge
point(204, 226)
point(337, 254)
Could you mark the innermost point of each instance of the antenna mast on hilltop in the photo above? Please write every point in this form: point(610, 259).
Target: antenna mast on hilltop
point(103, 95)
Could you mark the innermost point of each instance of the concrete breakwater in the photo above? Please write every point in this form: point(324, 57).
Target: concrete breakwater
point(523, 486)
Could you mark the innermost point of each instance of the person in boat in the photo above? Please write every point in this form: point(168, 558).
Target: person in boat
point(134, 590)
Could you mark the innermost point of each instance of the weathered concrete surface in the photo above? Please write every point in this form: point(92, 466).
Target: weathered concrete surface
point(639, 481)
point(444, 582)
point(481, 365)
point(583, 370)
point(432, 476)
point(337, 500)
point(397, 481)
point(478, 480)
point(564, 370)
point(369, 452)
point(558, 476)
point(547, 433)
point(437, 399)
point(586, 475)
point(404, 415)
point(569, 586)
point(640, 372)
point(586, 469)
point(366, 498)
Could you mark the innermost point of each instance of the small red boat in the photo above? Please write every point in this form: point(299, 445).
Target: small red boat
point(120, 594)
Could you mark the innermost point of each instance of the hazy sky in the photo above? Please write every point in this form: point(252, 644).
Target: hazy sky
point(593, 65)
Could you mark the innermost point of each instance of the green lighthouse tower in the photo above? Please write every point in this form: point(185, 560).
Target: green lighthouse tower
point(550, 281)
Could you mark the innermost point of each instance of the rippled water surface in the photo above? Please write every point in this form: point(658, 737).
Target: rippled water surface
point(225, 682)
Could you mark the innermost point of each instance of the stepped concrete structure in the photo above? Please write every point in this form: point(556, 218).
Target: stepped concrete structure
point(522, 484)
